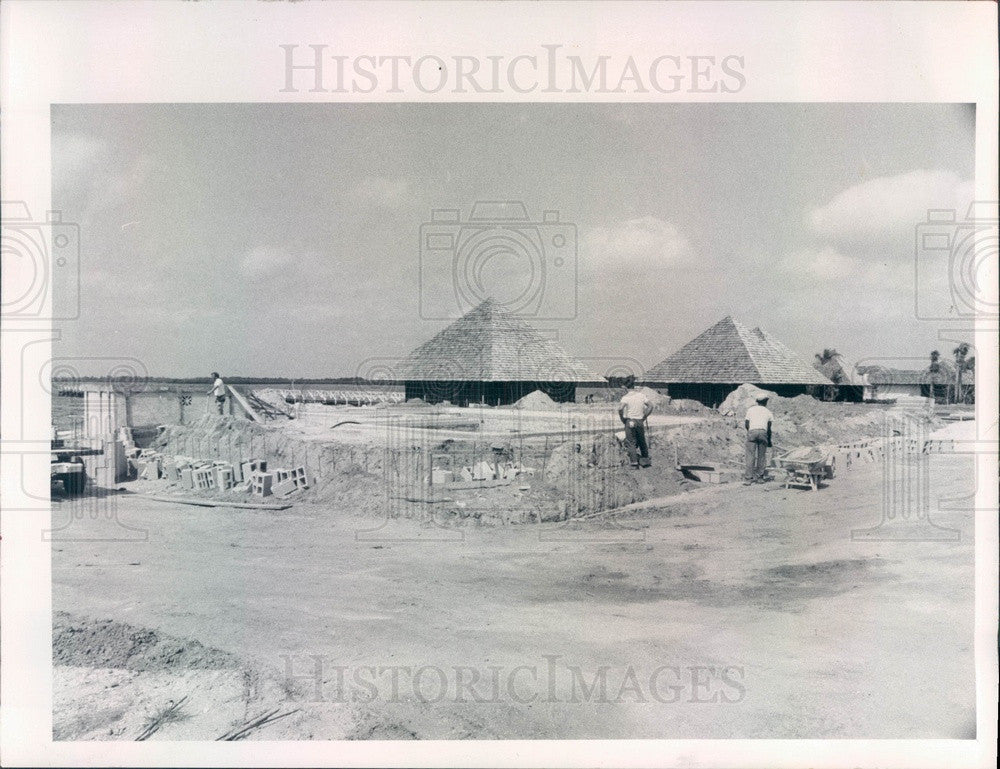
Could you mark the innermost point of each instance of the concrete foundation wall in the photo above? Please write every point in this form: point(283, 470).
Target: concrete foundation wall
point(106, 410)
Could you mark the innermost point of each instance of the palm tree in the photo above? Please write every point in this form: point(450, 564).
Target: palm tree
point(828, 363)
point(934, 369)
point(962, 360)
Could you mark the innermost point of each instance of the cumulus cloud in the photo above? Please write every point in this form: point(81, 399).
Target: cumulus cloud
point(889, 207)
point(264, 262)
point(643, 242)
point(825, 263)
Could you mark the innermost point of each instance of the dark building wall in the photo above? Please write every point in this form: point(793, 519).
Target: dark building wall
point(490, 393)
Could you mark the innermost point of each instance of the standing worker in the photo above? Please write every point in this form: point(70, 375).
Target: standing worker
point(219, 391)
point(758, 426)
point(633, 410)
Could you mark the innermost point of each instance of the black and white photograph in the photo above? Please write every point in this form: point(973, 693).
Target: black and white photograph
point(481, 420)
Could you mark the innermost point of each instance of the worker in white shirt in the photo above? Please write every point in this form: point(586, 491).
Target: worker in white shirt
point(633, 410)
point(758, 426)
point(219, 392)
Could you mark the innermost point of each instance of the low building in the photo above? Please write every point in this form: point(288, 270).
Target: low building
point(885, 383)
point(728, 354)
point(493, 357)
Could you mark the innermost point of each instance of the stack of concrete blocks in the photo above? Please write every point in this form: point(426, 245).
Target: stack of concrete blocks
point(261, 483)
point(171, 470)
point(222, 475)
point(288, 482)
point(174, 471)
point(203, 478)
point(252, 466)
point(507, 471)
point(283, 484)
point(483, 471)
point(148, 465)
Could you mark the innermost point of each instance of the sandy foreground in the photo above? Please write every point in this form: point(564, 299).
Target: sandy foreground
point(729, 611)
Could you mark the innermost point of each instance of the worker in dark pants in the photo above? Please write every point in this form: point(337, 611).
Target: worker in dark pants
point(633, 410)
point(758, 426)
point(218, 392)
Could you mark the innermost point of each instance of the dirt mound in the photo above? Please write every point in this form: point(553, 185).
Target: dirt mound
point(742, 398)
point(344, 473)
point(107, 644)
point(592, 474)
point(658, 399)
point(686, 405)
point(536, 401)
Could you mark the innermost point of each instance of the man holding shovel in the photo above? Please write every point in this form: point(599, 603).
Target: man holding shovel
point(758, 425)
point(633, 410)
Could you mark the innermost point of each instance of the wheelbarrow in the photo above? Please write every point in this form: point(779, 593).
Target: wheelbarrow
point(806, 467)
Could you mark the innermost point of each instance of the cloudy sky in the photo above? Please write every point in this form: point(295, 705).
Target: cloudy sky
point(285, 240)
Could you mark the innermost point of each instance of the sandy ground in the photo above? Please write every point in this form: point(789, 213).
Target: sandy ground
point(732, 612)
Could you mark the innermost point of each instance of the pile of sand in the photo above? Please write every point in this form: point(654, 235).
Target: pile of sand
point(108, 644)
point(685, 405)
point(658, 399)
point(742, 398)
point(536, 401)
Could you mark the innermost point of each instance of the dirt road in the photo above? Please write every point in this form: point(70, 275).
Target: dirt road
point(738, 612)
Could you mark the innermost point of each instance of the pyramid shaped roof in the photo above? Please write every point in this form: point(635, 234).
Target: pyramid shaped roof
point(490, 344)
point(729, 352)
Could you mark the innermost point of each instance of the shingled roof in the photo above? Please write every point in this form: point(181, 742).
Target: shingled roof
point(729, 353)
point(489, 344)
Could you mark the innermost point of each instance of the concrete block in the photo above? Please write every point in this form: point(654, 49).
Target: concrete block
point(203, 478)
point(441, 476)
point(237, 472)
point(284, 488)
point(149, 470)
point(223, 476)
point(465, 474)
point(281, 474)
point(171, 472)
point(507, 471)
point(252, 466)
point(483, 471)
point(187, 478)
point(261, 483)
point(301, 477)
